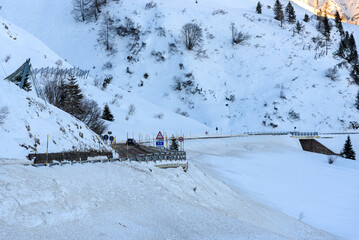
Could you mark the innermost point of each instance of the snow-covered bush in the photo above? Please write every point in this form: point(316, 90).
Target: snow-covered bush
point(332, 73)
point(219, 11)
point(293, 115)
point(4, 112)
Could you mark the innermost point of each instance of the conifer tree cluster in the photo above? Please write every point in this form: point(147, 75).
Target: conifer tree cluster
point(289, 13)
point(348, 151)
point(67, 96)
point(348, 51)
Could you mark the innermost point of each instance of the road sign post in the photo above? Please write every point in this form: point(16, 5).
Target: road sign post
point(160, 140)
point(181, 140)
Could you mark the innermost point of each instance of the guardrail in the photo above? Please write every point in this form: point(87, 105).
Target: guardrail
point(152, 157)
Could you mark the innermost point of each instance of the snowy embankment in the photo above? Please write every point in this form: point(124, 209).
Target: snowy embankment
point(134, 201)
point(276, 172)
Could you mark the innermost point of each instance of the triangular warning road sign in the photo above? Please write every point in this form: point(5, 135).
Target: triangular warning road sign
point(159, 135)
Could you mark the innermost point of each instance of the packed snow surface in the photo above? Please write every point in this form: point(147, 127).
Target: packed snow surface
point(133, 200)
point(275, 171)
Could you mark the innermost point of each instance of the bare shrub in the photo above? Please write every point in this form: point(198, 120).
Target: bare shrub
point(161, 32)
point(183, 113)
point(159, 115)
point(158, 56)
point(231, 98)
point(97, 82)
point(219, 11)
point(55, 91)
point(129, 28)
point(192, 35)
point(4, 112)
point(131, 111)
point(331, 159)
point(150, 5)
point(107, 81)
point(332, 73)
point(238, 37)
point(293, 115)
point(107, 66)
point(91, 116)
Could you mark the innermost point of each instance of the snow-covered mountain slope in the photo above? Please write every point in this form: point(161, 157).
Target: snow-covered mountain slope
point(348, 9)
point(29, 116)
point(272, 77)
point(134, 201)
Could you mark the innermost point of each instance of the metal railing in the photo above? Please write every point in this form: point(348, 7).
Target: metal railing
point(151, 157)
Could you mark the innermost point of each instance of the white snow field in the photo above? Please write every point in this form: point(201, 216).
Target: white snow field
point(276, 172)
point(140, 201)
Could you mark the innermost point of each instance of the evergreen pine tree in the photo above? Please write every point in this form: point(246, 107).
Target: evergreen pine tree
point(306, 18)
point(107, 115)
point(73, 98)
point(354, 73)
point(290, 13)
point(326, 27)
point(338, 23)
point(259, 8)
point(278, 12)
point(357, 101)
point(298, 27)
point(348, 151)
point(351, 43)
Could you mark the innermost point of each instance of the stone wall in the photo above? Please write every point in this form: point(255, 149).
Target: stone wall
point(312, 145)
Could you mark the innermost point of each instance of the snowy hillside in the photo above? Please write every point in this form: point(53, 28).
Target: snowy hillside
point(29, 116)
point(274, 81)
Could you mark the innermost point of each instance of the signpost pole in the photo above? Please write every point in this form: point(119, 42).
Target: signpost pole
point(47, 149)
point(127, 146)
